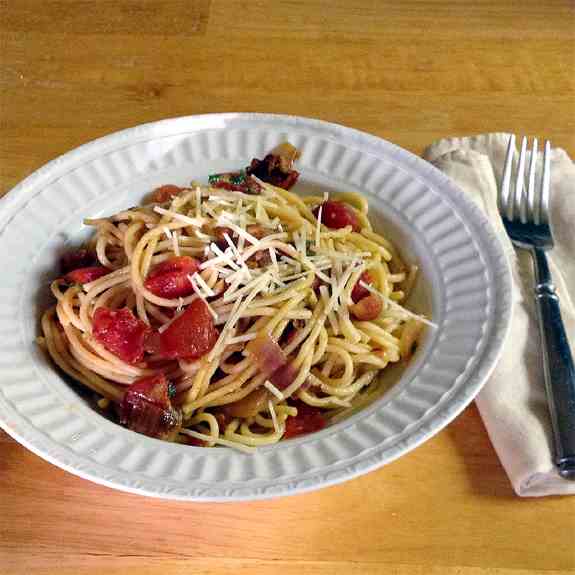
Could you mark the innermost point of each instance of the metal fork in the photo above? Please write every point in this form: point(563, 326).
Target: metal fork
point(525, 213)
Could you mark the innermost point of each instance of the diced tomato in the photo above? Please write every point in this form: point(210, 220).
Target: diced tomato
point(152, 342)
point(121, 333)
point(239, 181)
point(359, 292)
point(229, 186)
point(193, 441)
point(86, 275)
point(169, 279)
point(337, 215)
point(146, 407)
point(367, 308)
point(77, 259)
point(165, 193)
point(153, 388)
point(191, 334)
point(307, 420)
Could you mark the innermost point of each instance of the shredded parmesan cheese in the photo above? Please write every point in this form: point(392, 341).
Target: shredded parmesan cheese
point(175, 244)
point(198, 202)
point(318, 228)
point(197, 222)
point(241, 232)
point(199, 281)
point(274, 416)
point(242, 338)
point(274, 390)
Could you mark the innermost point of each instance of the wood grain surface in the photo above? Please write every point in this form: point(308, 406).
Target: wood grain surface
point(410, 71)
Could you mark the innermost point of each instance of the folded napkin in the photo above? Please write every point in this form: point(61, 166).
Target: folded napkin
point(513, 403)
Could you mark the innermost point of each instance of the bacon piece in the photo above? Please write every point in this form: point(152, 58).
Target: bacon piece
point(272, 361)
point(267, 354)
point(260, 259)
point(248, 406)
point(277, 167)
point(220, 232)
point(146, 407)
point(121, 333)
point(284, 376)
point(257, 231)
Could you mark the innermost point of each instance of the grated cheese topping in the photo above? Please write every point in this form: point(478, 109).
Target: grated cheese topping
point(274, 416)
point(196, 222)
point(175, 243)
point(318, 228)
point(274, 390)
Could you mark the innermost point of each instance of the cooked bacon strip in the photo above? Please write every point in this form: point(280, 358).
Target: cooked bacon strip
point(267, 354)
point(272, 361)
point(277, 167)
point(146, 407)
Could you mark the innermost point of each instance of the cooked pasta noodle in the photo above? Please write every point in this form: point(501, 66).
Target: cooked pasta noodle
point(276, 273)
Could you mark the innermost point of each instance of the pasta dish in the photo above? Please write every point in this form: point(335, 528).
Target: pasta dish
point(233, 313)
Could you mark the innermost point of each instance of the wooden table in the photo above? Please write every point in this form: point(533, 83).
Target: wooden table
point(409, 71)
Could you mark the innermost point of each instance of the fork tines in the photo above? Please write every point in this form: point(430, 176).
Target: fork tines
point(525, 201)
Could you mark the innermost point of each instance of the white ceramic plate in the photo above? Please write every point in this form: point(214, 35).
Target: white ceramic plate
point(465, 277)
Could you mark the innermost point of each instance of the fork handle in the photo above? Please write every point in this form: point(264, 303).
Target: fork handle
point(559, 370)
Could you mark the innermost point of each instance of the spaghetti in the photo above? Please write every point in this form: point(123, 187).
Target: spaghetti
point(233, 314)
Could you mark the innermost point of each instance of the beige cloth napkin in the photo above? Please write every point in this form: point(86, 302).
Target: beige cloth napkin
point(513, 404)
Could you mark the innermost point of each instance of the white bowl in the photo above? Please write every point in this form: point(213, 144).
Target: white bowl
point(465, 286)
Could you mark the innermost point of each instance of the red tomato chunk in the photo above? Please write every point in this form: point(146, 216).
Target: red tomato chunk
point(359, 292)
point(86, 275)
point(337, 215)
point(165, 193)
point(307, 420)
point(121, 333)
point(191, 334)
point(170, 280)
